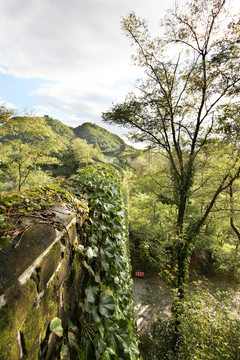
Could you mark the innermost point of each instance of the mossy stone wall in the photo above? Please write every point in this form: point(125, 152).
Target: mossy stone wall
point(40, 279)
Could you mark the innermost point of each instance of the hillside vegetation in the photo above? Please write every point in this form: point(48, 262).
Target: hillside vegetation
point(107, 141)
point(37, 149)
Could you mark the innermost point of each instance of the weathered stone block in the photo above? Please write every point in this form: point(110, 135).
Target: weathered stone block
point(37, 321)
point(14, 262)
point(47, 267)
point(72, 233)
point(37, 283)
point(20, 300)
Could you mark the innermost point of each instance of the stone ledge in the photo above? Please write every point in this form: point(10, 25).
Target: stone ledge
point(20, 262)
point(37, 284)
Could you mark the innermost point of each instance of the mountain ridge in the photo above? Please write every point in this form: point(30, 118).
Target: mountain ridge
point(108, 142)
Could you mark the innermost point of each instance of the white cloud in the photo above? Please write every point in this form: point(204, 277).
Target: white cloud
point(77, 47)
point(7, 104)
point(61, 39)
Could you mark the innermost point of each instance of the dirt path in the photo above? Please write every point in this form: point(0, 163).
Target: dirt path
point(151, 297)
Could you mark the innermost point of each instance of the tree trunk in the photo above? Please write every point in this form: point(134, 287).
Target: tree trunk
point(182, 265)
point(183, 259)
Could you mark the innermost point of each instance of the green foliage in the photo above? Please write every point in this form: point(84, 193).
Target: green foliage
point(56, 326)
point(61, 129)
point(81, 151)
point(210, 326)
point(209, 329)
point(93, 133)
point(192, 75)
point(26, 144)
point(108, 295)
point(31, 204)
point(33, 145)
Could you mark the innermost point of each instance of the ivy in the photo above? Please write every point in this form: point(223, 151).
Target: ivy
point(34, 204)
point(107, 305)
point(56, 326)
point(106, 328)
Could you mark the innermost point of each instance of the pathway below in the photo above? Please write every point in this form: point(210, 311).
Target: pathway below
point(151, 297)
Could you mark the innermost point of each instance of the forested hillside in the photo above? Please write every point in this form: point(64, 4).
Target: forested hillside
point(108, 142)
point(35, 150)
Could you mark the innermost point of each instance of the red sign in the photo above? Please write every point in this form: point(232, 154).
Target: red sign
point(139, 274)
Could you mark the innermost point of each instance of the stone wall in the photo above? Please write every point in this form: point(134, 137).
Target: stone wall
point(40, 278)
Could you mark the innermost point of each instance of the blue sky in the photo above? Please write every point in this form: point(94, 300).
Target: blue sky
point(69, 59)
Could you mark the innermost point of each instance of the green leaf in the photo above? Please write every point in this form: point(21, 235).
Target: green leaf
point(107, 253)
point(5, 241)
point(101, 330)
point(95, 314)
point(92, 252)
point(106, 305)
point(120, 339)
point(56, 326)
point(91, 292)
point(101, 346)
point(89, 350)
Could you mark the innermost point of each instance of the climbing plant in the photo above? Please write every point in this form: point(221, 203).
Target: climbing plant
point(107, 321)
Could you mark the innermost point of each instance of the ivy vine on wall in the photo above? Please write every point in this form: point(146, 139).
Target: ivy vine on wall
point(107, 322)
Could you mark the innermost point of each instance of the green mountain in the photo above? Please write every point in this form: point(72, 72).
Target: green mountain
point(108, 142)
point(59, 128)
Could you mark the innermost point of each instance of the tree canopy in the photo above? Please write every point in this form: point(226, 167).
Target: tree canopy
point(26, 143)
point(187, 107)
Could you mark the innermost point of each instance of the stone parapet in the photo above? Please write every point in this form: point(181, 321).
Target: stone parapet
point(39, 279)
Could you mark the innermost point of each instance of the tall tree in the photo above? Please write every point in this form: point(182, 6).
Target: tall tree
point(191, 79)
point(26, 143)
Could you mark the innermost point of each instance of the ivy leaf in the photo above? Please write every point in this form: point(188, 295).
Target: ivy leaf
point(101, 330)
point(107, 253)
point(106, 305)
point(89, 253)
point(56, 326)
point(89, 351)
point(92, 252)
point(120, 339)
point(92, 239)
point(95, 314)
point(91, 292)
point(101, 346)
point(5, 241)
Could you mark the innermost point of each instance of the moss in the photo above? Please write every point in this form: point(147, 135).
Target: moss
point(77, 266)
point(55, 282)
point(12, 315)
point(12, 352)
point(37, 322)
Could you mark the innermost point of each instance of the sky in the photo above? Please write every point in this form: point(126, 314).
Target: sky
point(68, 58)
